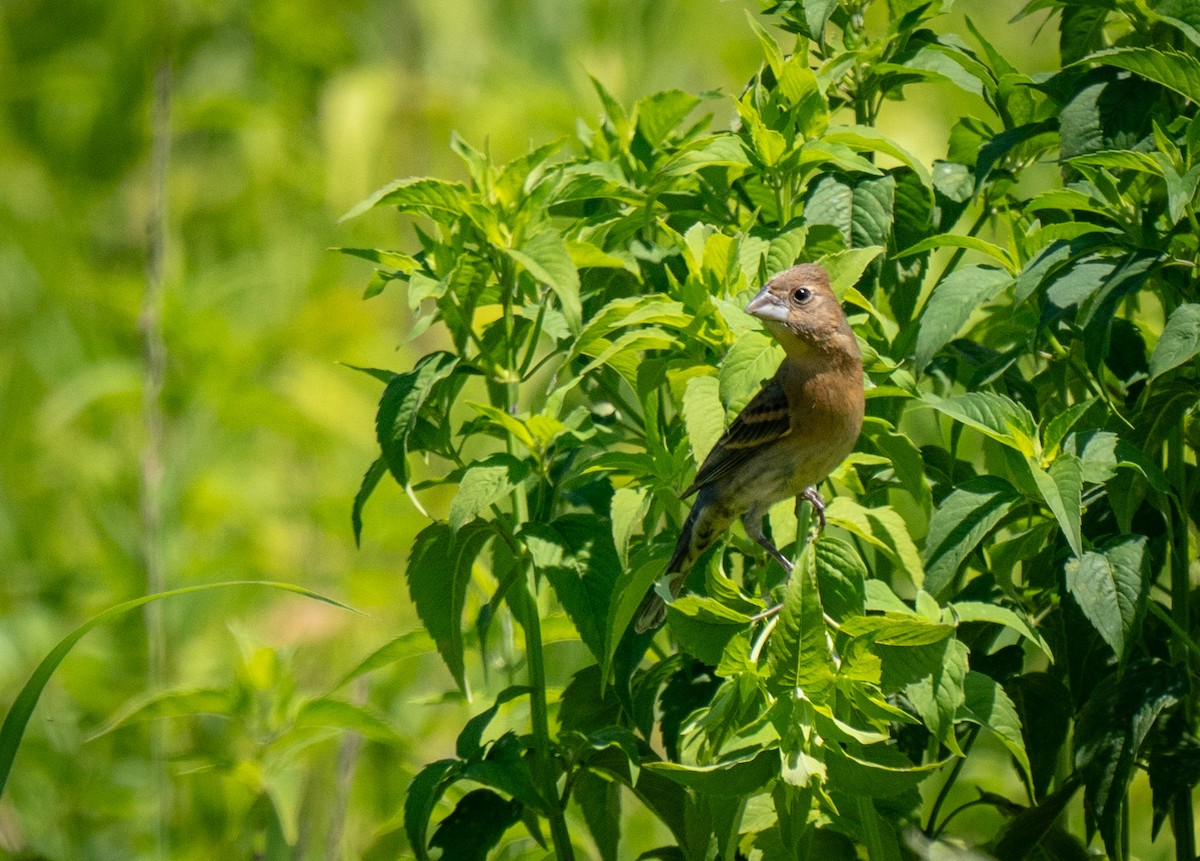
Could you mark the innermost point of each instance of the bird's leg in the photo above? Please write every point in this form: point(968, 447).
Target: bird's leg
point(818, 503)
point(752, 520)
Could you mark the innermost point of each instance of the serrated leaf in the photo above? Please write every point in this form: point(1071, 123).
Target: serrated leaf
point(797, 652)
point(951, 304)
point(1174, 70)
point(545, 256)
point(846, 267)
point(955, 240)
point(993, 415)
point(1179, 341)
point(629, 505)
point(842, 577)
point(485, 482)
point(400, 406)
point(475, 826)
point(703, 415)
point(432, 197)
point(1110, 588)
point(439, 569)
point(897, 629)
point(1110, 733)
point(986, 703)
point(659, 113)
point(575, 553)
point(1062, 489)
point(735, 777)
point(975, 611)
point(905, 457)
point(970, 512)
point(751, 360)
point(370, 481)
point(882, 527)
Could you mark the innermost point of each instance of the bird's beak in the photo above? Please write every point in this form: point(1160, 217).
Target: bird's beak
point(767, 306)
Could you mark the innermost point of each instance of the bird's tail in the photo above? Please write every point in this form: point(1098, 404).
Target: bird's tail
point(704, 523)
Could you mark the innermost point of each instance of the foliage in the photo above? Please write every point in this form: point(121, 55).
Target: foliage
point(1013, 532)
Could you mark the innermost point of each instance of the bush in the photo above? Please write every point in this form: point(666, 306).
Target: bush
point(1009, 551)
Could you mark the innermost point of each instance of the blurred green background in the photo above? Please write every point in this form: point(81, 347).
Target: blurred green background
point(283, 115)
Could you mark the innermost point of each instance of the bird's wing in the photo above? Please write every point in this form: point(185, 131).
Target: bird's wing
point(766, 418)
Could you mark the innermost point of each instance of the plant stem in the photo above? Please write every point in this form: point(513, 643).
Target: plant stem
point(1184, 820)
point(930, 831)
point(154, 363)
point(543, 759)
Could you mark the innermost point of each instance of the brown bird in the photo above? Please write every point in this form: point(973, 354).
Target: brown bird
point(791, 435)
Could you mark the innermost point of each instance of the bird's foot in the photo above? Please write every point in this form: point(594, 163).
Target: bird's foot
point(818, 505)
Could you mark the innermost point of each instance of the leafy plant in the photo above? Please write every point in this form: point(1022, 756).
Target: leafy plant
point(1009, 548)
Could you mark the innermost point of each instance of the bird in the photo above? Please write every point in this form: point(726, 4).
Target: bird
point(792, 434)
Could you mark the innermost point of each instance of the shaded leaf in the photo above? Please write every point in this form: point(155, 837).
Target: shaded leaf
point(1179, 342)
point(970, 512)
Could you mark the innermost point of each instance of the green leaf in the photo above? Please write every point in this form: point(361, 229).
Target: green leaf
point(575, 553)
point(350, 717)
point(845, 268)
point(1046, 711)
point(17, 718)
point(434, 198)
point(742, 776)
point(1111, 587)
point(629, 506)
point(1179, 341)
point(906, 459)
point(841, 576)
point(402, 648)
point(703, 415)
point(970, 512)
point(882, 527)
point(1062, 489)
point(951, 304)
point(1174, 70)
point(986, 704)
point(975, 611)
point(955, 240)
point(485, 482)
point(401, 405)
point(545, 256)
point(476, 825)
point(878, 771)
point(897, 629)
point(370, 481)
point(439, 569)
point(862, 210)
point(797, 652)
point(937, 695)
point(658, 114)
point(1110, 733)
point(1061, 423)
point(751, 360)
point(175, 703)
point(422, 797)
point(1025, 831)
point(993, 415)
point(868, 139)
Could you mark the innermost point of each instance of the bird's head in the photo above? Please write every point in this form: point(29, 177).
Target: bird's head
point(800, 310)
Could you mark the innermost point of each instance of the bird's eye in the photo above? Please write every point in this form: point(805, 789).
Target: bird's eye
point(802, 294)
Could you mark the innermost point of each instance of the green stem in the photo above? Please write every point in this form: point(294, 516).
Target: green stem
point(544, 770)
point(951, 778)
point(1184, 820)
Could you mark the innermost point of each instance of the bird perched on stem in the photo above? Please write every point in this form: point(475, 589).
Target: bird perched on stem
point(791, 435)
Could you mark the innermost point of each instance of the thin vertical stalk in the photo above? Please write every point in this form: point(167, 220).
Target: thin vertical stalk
point(544, 769)
point(154, 361)
point(1184, 819)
